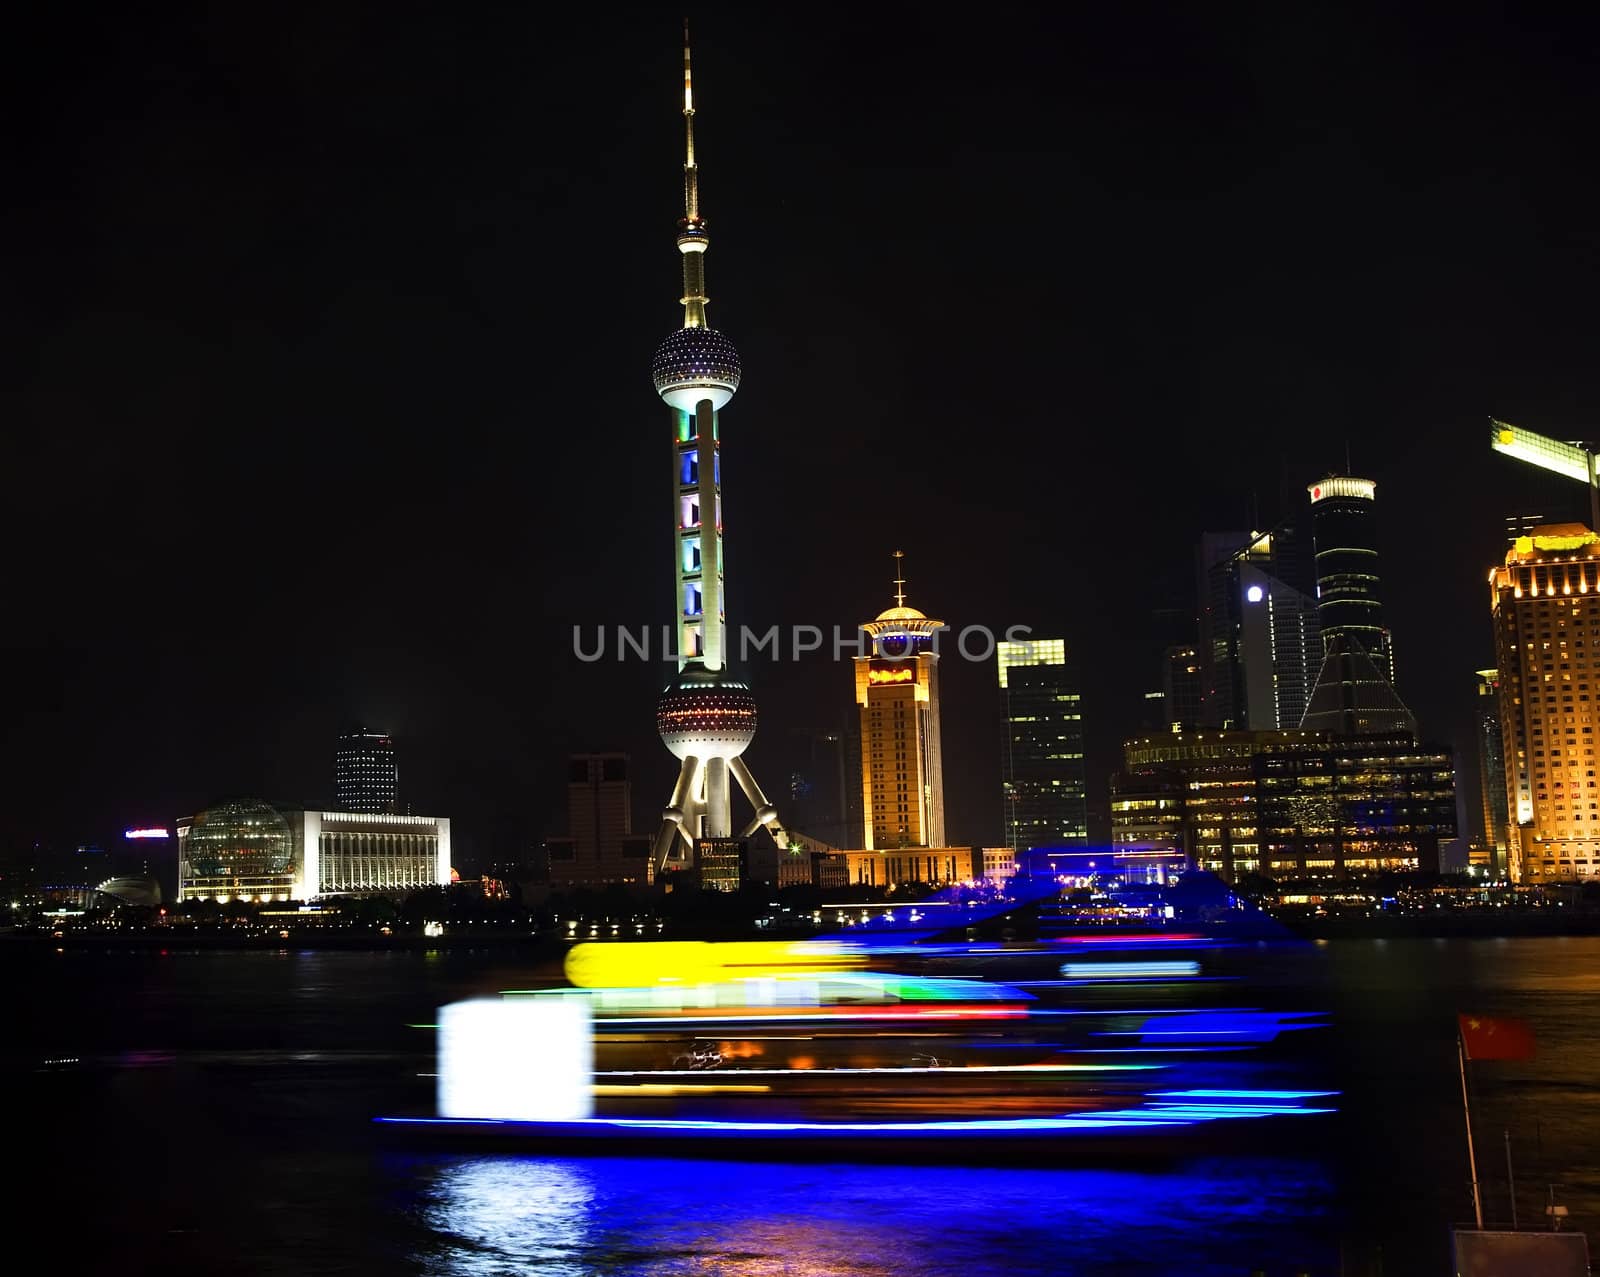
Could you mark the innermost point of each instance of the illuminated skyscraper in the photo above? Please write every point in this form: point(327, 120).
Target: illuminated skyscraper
point(1354, 693)
point(706, 717)
point(1344, 514)
point(1045, 787)
point(897, 690)
point(365, 778)
point(1491, 768)
point(1259, 646)
point(1546, 606)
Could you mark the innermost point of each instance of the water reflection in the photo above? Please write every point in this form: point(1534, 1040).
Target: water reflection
point(501, 1215)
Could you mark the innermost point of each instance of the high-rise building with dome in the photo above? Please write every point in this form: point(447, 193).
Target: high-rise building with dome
point(706, 716)
point(897, 690)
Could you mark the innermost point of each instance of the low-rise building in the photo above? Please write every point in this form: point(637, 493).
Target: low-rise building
point(255, 852)
point(1295, 803)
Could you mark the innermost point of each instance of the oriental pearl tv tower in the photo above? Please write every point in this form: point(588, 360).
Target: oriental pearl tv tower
point(706, 717)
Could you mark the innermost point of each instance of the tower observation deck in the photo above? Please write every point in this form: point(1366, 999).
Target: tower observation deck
point(706, 716)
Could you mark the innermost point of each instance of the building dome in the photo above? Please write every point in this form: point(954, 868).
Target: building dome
point(706, 714)
point(695, 364)
point(141, 890)
point(240, 848)
point(903, 623)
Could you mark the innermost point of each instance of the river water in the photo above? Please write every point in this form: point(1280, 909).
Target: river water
point(207, 1112)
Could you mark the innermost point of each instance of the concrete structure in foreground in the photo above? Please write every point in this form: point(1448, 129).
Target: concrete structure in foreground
point(1287, 804)
point(254, 852)
point(1545, 601)
point(706, 716)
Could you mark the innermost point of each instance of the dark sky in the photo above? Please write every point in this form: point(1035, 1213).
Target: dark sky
point(334, 326)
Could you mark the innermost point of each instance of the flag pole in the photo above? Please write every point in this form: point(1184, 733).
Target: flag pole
point(1511, 1183)
point(1466, 1109)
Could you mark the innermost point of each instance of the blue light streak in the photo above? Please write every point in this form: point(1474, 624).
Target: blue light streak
point(1140, 1118)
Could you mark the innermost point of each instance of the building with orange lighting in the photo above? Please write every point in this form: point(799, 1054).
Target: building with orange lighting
point(1545, 602)
point(897, 691)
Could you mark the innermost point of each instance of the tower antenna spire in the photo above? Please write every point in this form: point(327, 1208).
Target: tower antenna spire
point(691, 185)
point(692, 241)
point(899, 578)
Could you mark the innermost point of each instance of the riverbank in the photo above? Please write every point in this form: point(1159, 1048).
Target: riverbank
point(1445, 924)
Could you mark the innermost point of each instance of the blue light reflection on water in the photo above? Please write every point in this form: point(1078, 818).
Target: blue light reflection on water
point(488, 1216)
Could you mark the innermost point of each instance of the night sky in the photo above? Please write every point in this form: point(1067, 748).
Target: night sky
point(332, 328)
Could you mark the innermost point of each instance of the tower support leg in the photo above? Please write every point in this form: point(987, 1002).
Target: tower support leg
point(682, 816)
point(766, 813)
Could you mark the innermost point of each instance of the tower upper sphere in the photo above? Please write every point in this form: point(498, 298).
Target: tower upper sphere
point(694, 364)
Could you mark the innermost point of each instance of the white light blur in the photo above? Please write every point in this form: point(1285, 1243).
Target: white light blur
point(517, 1059)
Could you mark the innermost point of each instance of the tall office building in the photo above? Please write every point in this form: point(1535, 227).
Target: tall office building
point(825, 791)
point(1182, 687)
point(897, 690)
point(1545, 601)
point(1491, 768)
point(365, 777)
point(1259, 628)
point(1354, 693)
point(1045, 789)
point(601, 847)
point(1280, 649)
point(1345, 529)
point(706, 717)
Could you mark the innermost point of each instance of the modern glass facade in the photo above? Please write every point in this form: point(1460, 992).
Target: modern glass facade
point(1286, 804)
point(1182, 687)
point(1045, 788)
point(237, 851)
point(1260, 628)
point(1344, 513)
point(1492, 768)
point(254, 852)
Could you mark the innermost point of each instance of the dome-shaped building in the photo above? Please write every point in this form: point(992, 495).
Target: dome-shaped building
point(242, 850)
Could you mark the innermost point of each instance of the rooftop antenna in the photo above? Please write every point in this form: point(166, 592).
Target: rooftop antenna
point(899, 578)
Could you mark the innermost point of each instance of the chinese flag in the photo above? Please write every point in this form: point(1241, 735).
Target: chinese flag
point(1495, 1038)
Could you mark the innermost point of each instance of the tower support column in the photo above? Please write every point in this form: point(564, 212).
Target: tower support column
point(719, 817)
point(705, 424)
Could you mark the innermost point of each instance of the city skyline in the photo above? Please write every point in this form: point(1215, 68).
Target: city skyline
point(176, 291)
